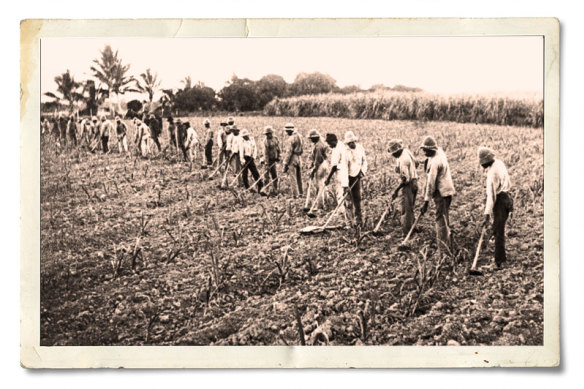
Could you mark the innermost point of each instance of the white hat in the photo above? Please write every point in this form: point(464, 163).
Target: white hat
point(244, 132)
point(486, 155)
point(207, 121)
point(350, 137)
point(289, 126)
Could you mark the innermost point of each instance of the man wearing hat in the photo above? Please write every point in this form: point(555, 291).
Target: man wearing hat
point(355, 166)
point(337, 169)
point(208, 143)
point(95, 134)
point(319, 162)
point(72, 129)
point(271, 156)
point(106, 129)
point(293, 149)
point(85, 131)
point(121, 132)
point(248, 152)
point(233, 147)
point(406, 168)
point(230, 122)
point(499, 203)
point(440, 188)
point(221, 142)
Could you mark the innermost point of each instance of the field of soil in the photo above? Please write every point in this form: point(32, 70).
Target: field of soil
point(148, 251)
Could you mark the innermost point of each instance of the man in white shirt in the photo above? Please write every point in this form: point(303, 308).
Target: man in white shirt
point(142, 137)
point(440, 188)
point(406, 168)
point(355, 164)
point(499, 203)
point(248, 152)
point(337, 169)
point(106, 130)
point(208, 143)
point(191, 143)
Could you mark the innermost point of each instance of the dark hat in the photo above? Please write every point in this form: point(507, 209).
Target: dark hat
point(331, 137)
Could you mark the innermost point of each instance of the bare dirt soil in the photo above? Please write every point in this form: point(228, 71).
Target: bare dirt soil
point(138, 251)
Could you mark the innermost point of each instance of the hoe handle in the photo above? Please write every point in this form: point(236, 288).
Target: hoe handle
point(411, 230)
point(476, 257)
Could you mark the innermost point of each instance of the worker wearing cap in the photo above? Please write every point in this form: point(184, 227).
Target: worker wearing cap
point(121, 132)
point(293, 149)
point(440, 188)
point(106, 130)
point(271, 156)
point(337, 169)
point(355, 166)
point(319, 167)
point(208, 143)
point(172, 132)
point(155, 130)
point(248, 152)
point(191, 144)
point(499, 203)
point(406, 168)
point(142, 137)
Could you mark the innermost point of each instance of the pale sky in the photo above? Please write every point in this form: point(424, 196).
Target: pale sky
point(435, 64)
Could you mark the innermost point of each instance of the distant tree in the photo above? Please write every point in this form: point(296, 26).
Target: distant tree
point(313, 83)
point(188, 82)
point(199, 97)
point(67, 90)
point(350, 89)
point(167, 101)
point(270, 86)
point(110, 70)
point(93, 97)
point(149, 84)
point(403, 88)
point(239, 95)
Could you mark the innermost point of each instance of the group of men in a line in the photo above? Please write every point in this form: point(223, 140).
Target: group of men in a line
point(343, 164)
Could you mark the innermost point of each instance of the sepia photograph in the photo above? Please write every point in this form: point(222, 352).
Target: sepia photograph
point(292, 191)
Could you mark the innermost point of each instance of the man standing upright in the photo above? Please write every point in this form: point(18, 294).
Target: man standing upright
point(106, 130)
point(499, 203)
point(142, 137)
point(440, 188)
point(356, 168)
point(292, 158)
point(406, 168)
point(155, 130)
point(121, 132)
point(235, 153)
point(191, 144)
point(72, 129)
point(222, 142)
point(172, 135)
point(208, 143)
point(271, 157)
point(319, 160)
point(337, 163)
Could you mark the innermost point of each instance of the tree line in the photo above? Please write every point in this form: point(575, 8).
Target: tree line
point(111, 79)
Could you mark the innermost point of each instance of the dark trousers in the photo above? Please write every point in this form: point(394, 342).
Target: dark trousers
point(155, 139)
point(104, 143)
point(298, 178)
point(272, 175)
point(209, 152)
point(442, 221)
point(251, 166)
point(408, 200)
point(503, 206)
point(355, 183)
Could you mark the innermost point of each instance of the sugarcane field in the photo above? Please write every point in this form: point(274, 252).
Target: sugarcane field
point(340, 216)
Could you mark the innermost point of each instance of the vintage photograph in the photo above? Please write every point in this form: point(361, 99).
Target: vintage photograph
point(292, 191)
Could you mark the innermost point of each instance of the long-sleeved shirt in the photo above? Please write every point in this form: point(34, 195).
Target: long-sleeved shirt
point(247, 148)
point(192, 138)
point(439, 181)
point(319, 154)
point(121, 129)
point(236, 143)
point(406, 166)
point(143, 132)
point(293, 149)
point(106, 128)
point(497, 181)
point(229, 142)
point(271, 150)
point(354, 161)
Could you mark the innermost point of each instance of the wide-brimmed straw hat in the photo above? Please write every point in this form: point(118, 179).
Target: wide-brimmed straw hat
point(289, 126)
point(429, 143)
point(314, 134)
point(244, 132)
point(268, 130)
point(350, 137)
point(395, 145)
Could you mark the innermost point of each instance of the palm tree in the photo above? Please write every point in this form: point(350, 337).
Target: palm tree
point(67, 90)
point(112, 72)
point(149, 84)
point(188, 81)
